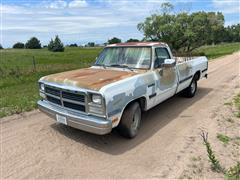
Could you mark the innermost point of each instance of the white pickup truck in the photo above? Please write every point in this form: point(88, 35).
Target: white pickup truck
point(126, 79)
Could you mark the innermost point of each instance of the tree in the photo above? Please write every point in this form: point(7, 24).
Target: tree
point(1, 46)
point(56, 45)
point(90, 44)
point(232, 33)
point(73, 45)
point(114, 40)
point(33, 43)
point(183, 31)
point(132, 40)
point(18, 45)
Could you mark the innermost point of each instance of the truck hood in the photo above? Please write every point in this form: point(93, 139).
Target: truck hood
point(89, 78)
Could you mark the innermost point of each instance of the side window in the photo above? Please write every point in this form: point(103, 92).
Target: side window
point(161, 55)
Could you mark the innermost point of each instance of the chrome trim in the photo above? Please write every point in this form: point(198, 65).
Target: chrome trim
point(74, 102)
point(56, 97)
point(93, 124)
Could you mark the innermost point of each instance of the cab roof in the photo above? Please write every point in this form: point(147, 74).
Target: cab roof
point(138, 44)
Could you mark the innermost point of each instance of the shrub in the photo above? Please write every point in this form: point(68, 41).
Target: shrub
point(56, 45)
point(90, 44)
point(114, 40)
point(18, 45)
point(73, 45)
point(132, 40)
point(1, 46)
point(33, 43)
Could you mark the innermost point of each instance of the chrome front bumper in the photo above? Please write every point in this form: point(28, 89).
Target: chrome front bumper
point(92, 124)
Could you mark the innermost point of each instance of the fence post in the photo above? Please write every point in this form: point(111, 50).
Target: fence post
point(34, 64)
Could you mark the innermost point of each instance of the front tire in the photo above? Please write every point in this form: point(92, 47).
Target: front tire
point(130, 121)
point(191, 90)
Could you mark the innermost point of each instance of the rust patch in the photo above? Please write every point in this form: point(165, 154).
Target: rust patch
point(89, 78)
point(115, 120)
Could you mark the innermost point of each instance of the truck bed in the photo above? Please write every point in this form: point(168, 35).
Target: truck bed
point(187, 67)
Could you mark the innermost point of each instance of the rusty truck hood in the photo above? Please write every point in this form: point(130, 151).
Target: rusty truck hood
point(89, 78)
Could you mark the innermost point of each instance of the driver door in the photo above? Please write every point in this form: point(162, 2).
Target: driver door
point(166, 82)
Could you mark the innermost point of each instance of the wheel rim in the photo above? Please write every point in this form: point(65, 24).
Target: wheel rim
point(135, 122)
point(193, 87)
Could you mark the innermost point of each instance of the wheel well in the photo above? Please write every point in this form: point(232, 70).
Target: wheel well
point(141, 101)
point(197, 75)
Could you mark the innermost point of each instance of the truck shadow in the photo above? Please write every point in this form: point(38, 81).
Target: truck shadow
point(152, 122)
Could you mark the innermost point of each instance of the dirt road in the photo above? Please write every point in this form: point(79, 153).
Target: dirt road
point(34, 146)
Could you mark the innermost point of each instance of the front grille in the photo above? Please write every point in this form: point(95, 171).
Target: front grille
point(77, 107)
point(74, 97)
point(69, 99)
point(53, 91)
point(54, 100)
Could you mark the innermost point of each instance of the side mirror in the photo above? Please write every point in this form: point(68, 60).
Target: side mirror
point(169, 63)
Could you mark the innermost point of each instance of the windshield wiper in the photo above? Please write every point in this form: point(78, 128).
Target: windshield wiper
point(121, 66)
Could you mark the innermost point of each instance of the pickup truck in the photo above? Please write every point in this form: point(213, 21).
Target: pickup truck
point(127, 79)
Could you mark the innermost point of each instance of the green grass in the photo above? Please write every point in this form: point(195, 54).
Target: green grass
point(18, 77)
point(237, 104)
point(214, 51)
point(223, 138)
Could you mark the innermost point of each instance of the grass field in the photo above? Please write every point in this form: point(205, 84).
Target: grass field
point(20, 70)
point(219, 50)
point(19, 76)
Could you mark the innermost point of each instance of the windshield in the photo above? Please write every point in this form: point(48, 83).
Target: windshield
point(131, 57)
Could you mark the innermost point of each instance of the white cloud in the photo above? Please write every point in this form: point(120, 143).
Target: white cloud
point(227, 6)
point(77, 4)
point(58, 4)
point(7, 9)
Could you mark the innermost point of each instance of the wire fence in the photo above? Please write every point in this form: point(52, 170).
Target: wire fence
point(29, 65)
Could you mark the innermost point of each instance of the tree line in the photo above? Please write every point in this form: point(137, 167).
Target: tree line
point(55, 45)
point(33, 43)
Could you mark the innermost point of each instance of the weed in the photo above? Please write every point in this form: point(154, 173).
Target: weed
point(214, 162)
point(223, 138)
point(237, 104)
point(233, 173)
point(228, 103)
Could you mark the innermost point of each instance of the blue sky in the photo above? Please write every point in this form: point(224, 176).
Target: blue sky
point(81, 21)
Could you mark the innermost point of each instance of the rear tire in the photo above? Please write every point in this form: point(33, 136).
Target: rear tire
point(130, 121)
point(191, 90)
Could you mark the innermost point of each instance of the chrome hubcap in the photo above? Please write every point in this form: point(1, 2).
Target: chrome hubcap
point(193, 87)
point(135, 122)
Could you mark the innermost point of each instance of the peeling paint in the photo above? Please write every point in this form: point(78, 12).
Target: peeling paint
point(90, 78)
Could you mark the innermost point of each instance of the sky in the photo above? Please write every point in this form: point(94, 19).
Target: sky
point(82, 21)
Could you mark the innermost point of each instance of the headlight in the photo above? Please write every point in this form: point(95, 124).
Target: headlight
point(96, 99)
point(42, 87)
point(96, 105)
